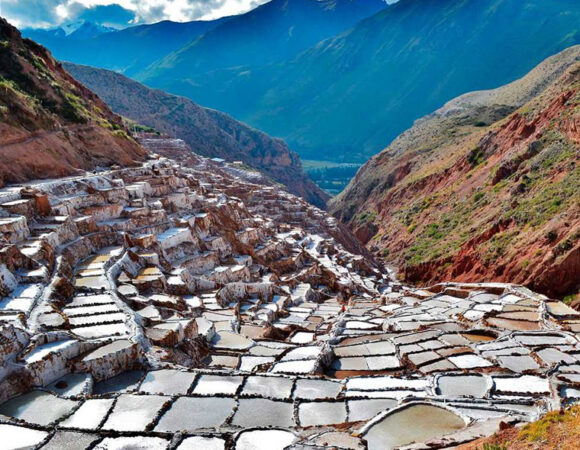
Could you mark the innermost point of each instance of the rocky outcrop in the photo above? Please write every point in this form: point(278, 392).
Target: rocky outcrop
point(486, 188)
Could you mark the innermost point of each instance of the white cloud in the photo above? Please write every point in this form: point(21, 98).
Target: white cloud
point(46, 13)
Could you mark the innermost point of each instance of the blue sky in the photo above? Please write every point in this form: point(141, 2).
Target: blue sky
point(117, 13)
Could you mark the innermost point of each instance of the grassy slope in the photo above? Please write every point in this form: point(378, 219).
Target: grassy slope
point(480, 191)
point(556, 430)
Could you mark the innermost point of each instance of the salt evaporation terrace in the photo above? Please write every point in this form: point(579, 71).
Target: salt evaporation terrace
point(170, 308)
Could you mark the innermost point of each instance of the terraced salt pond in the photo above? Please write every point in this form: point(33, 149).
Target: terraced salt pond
point(476, 386)
point(178, 308)
point(202, 413)
point(90, 415)
point(410, 424)
point(123, 382)
point(37, 407)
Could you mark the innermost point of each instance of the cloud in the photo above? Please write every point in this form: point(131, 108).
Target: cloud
point(109, 15)
point(39, 13)
point(49, 13)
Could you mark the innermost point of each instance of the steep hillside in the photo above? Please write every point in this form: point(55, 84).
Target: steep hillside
point(485, 188)
point(208, 132)
point(276, 31)
point(347, 97)
point(128, 51)
point(51, 125)
point(556, 430)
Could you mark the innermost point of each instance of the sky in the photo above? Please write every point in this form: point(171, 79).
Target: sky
point(117, 13)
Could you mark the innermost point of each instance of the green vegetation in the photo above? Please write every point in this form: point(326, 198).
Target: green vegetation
point(551, 235)
point(558, 149)
point(368, 216)
point(547, 199)
point(538, 431)
point(313, 164)
point(331, 176)
point(525, 111)
point(498, 245)
point(121, 134)
point(436, 240)
point(567, 244)
point(140, 128)
point(478, 196)
point(500, 186)
point(476, 156)
point(6, 85)
point(494, 447)
point(417, 208)
point(434, 232)
point(72, 109)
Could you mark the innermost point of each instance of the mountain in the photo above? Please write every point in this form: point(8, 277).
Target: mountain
point(51, 125)
point(275, 31)
point(127, 51)
point(86, 30)
point(73, 31)
point(209, 132)
point(347, 97)
point(485, 188)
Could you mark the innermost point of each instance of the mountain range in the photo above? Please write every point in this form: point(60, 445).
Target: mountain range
point(204, 56)
point(338, 79)
point(274, 32)
point(73, 31)
point(129, 50)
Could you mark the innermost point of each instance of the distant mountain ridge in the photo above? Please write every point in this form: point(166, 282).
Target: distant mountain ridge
point(73, 31)
point(127, 51)
point(208, 132)
point(274, 31)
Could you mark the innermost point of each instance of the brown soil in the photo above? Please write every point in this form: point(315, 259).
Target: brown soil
point(557, 430)
point(454, 200)
point(51, 125)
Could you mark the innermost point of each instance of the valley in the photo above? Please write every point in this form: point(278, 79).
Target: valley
point(331, 176)
point(173, 278)
point(343, 91)
point(345, 97)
